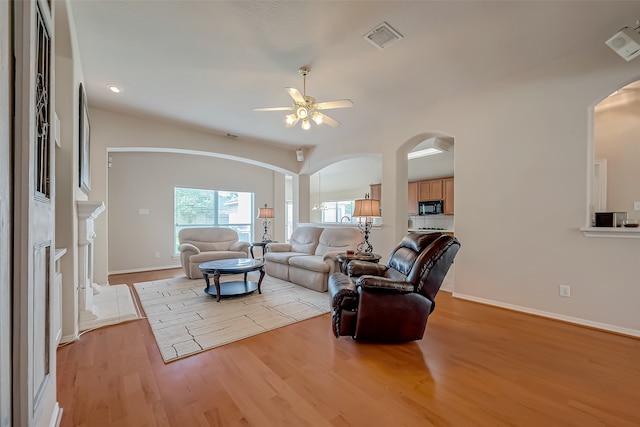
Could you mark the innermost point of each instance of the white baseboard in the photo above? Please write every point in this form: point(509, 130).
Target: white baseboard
point(141, 270)
point(56, 416)
point(66, 339)
point(568, 319)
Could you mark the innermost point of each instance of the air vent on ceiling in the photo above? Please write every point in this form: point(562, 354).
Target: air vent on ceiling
point(382, 36)
point(231, 135)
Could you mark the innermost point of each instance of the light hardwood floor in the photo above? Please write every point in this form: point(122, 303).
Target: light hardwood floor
point(476, 366)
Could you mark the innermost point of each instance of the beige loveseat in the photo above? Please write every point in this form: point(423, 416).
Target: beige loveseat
point(310, 257)
point(202, 244)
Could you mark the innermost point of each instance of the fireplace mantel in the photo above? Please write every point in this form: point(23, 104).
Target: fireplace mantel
point(87, 212)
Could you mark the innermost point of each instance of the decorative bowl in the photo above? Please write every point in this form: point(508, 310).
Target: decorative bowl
point(630, 223)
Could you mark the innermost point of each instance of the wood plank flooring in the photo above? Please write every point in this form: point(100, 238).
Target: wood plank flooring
point(476, 366)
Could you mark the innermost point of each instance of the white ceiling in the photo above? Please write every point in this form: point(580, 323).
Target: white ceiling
point(208, 63)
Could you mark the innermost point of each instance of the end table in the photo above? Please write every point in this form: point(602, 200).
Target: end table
point(263, 245)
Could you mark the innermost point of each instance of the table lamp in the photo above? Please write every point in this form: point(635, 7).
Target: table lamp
point(266, 214)
point(366, 208)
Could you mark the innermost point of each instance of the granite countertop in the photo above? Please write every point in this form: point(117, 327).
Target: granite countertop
point(449, 230)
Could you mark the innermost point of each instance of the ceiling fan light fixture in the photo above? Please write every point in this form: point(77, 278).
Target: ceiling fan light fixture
point(305, 124)
point(317, 117)
point(302, 112)
point(291, 119)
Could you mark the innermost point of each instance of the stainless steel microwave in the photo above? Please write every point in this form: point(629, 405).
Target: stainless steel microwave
point(609, 219)
point(432, 207)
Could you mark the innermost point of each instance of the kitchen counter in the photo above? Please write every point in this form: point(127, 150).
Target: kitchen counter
point(449, 230)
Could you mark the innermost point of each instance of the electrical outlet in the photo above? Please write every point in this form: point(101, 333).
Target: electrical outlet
point(636, 206)
point(157, 254)
point(565, 291)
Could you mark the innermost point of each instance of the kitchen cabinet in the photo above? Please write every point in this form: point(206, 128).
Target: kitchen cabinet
point(448, 196)
point(412, 203)
point(375, 191)
point(430, 189)
point(424, 193)
point(435, 188)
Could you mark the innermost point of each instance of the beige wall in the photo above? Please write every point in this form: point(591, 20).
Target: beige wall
point(112, 132)
point(147, 181)
point(617, 139)
point(522, 165)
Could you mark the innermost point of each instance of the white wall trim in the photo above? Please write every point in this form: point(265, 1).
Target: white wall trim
point(66, 339)
point(615, 232)
point(141, 270)
point(56, 417)
point(568, 319)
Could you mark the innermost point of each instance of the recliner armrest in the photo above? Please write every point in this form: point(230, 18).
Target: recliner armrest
point(361, 268)
point(342, 291)
point(344, 303)
point(384, 284)
point(188, 247)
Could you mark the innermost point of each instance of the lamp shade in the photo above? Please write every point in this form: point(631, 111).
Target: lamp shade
point(266, 212)
point(366, 208)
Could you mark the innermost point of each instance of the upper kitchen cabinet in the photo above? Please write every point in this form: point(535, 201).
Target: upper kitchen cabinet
point(430, 190)
point(447, 183)
point(412, 203)
point(376, 191)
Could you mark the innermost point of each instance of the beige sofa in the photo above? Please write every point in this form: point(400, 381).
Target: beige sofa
point(310, 257)
point(202, 244)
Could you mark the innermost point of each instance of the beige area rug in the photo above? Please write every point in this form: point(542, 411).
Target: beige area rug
point(185, 320)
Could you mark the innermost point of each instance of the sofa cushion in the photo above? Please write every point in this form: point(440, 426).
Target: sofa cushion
point(215, 255)
point(310, 262)
point(211, 246)
point(282, 257)
point(209, 238)
point(338, 239)
point(305, 239)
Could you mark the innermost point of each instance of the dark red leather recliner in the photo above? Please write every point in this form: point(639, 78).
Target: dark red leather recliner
point(391, 303)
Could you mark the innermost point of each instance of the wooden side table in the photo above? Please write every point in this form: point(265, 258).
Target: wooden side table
point(344, 259)
point(263, 245)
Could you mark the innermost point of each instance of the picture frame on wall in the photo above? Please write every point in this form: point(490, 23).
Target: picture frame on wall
point(85, 136)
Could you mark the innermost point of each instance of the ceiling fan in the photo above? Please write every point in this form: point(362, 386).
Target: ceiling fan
point(305, 107)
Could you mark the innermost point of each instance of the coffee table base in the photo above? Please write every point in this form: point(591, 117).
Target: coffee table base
point(237, 287)
point(231, 266)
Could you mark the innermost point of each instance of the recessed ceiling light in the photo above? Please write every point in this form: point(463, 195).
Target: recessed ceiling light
point(114, 88)
point(423, 153)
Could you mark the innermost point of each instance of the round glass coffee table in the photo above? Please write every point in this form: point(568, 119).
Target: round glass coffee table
point(232, 266)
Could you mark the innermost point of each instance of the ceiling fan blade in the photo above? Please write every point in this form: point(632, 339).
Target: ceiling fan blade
point(274, 109)
point(340, 103)
point(329, 121)
point(296, 95)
